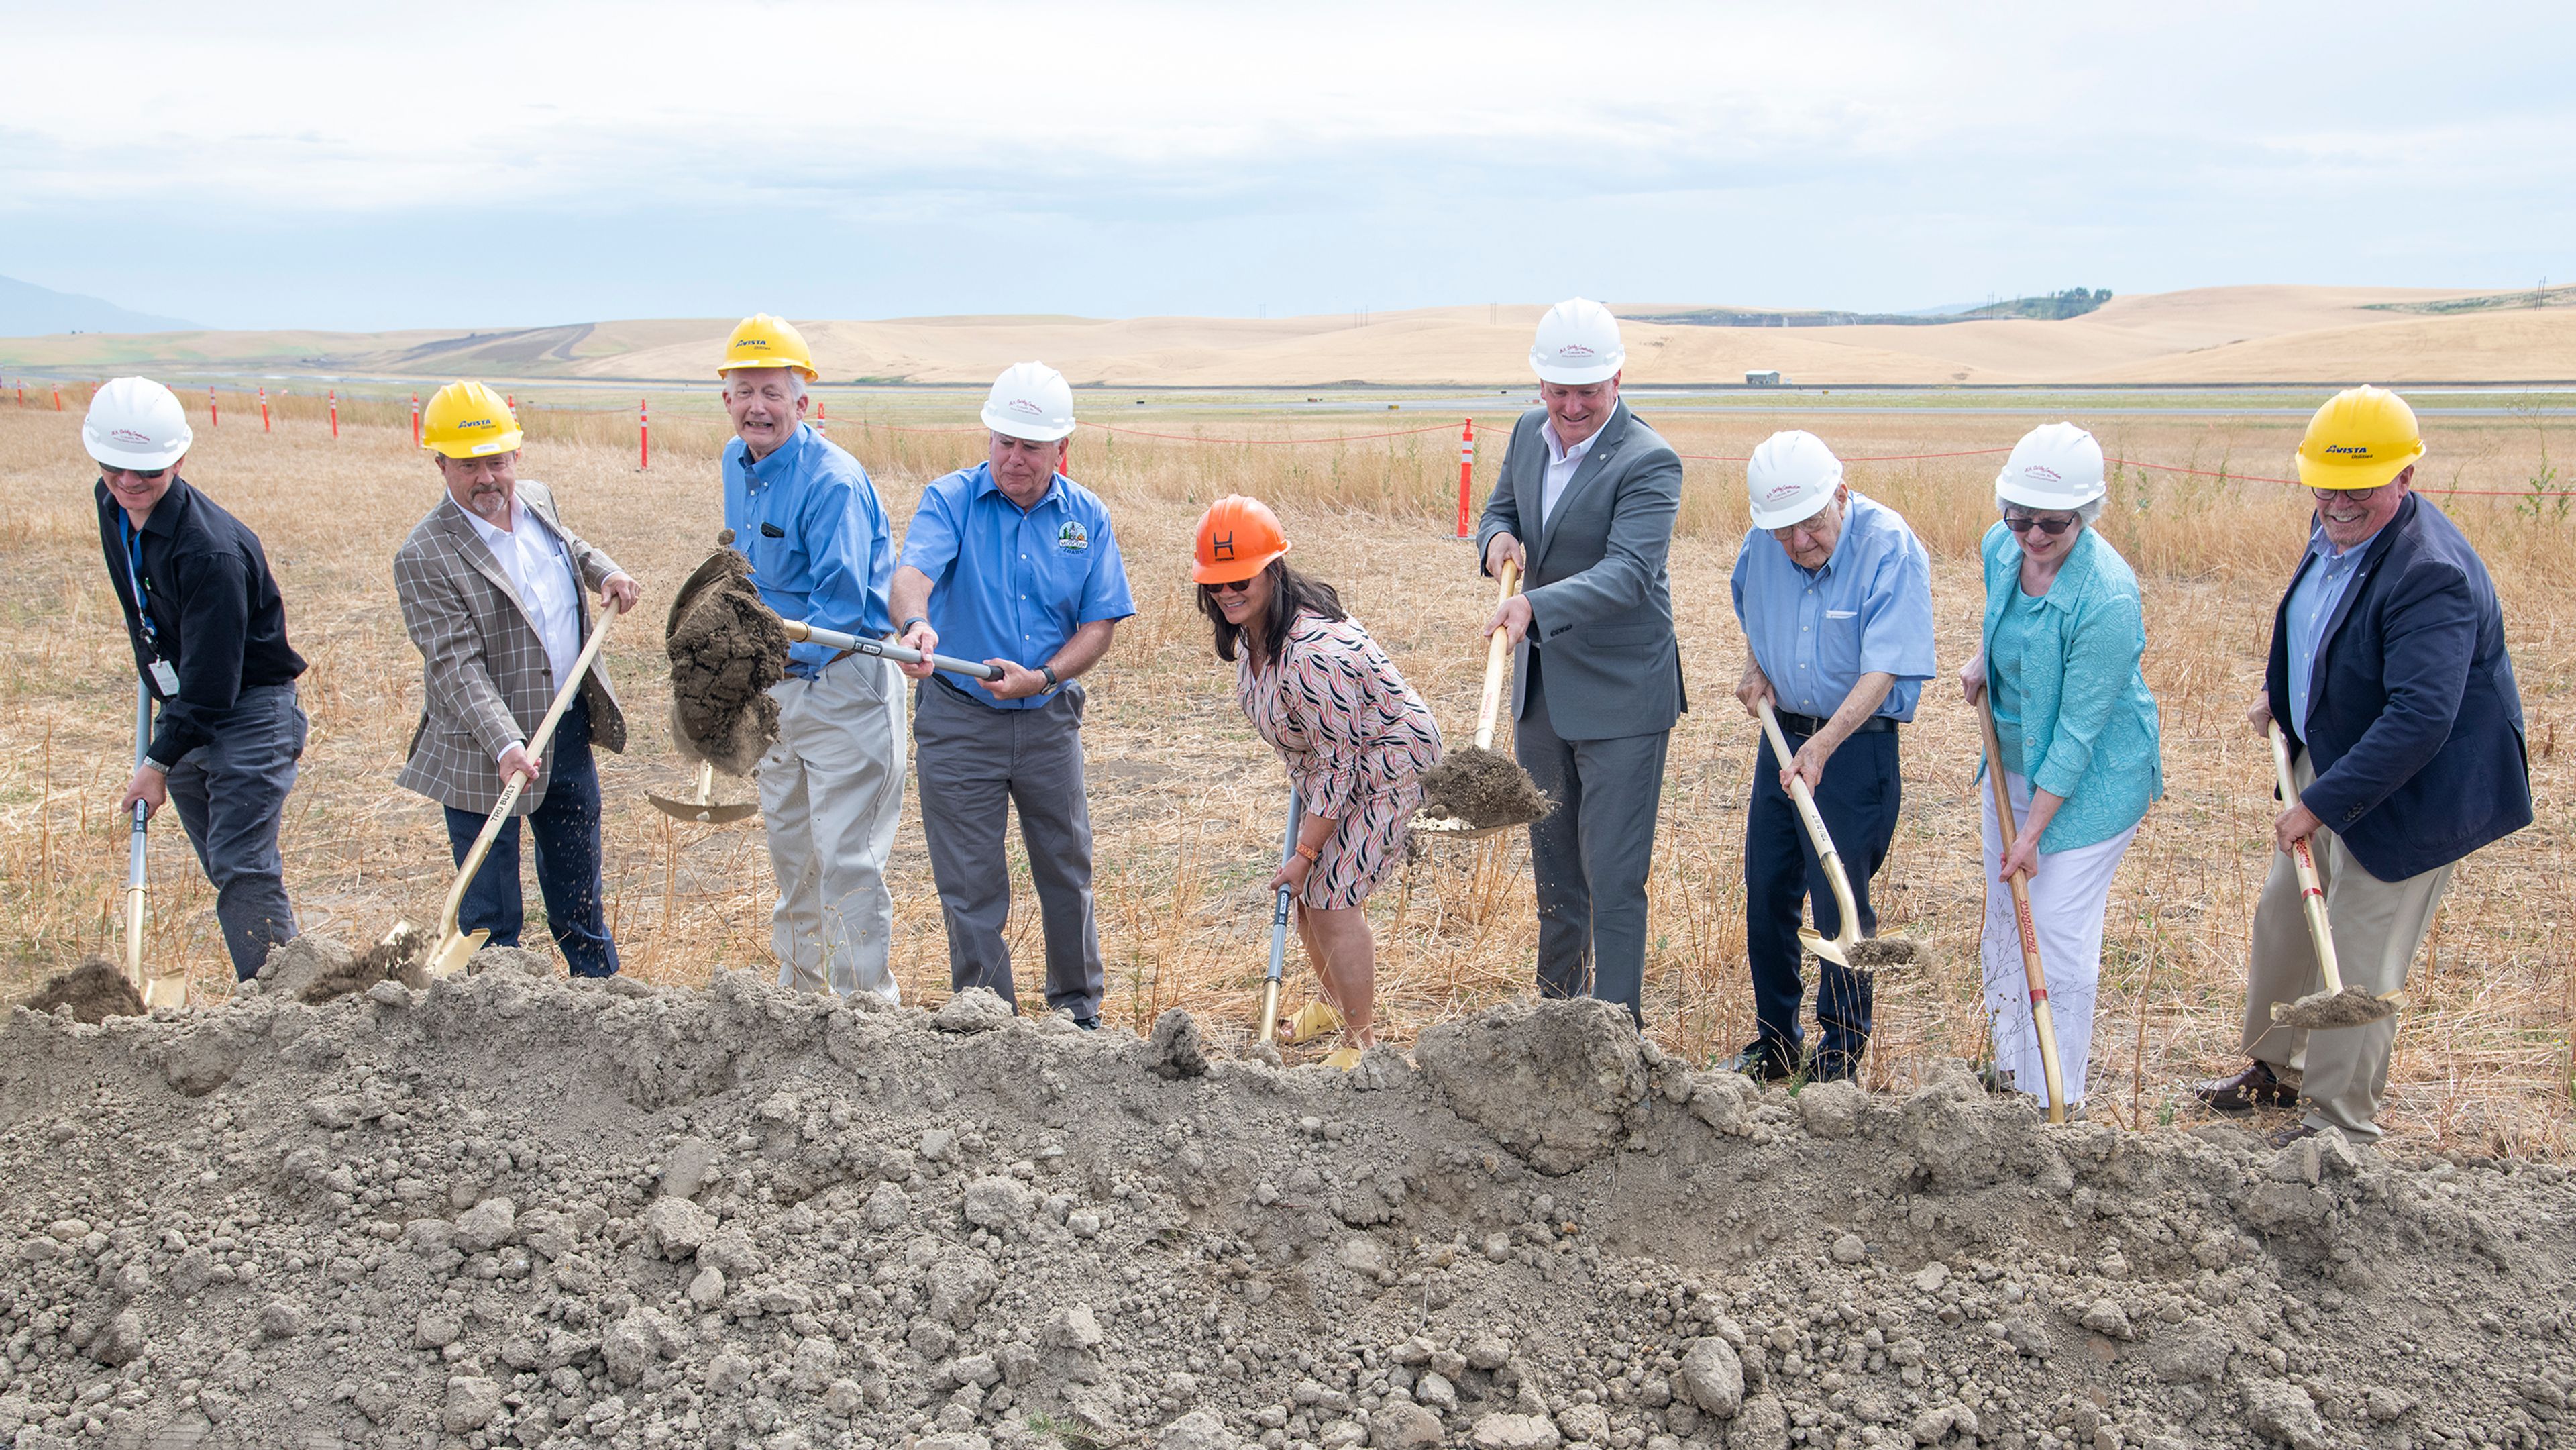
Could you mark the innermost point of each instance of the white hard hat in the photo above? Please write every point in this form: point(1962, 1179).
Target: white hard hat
point(2055, 466)
point(1577, 343)
point(1790, 479)
point(136, 423)
point(1030, 400)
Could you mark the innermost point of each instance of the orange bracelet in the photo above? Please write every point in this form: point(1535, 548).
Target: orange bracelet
point(1311, 853)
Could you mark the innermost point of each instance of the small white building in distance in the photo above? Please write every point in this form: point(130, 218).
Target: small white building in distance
point(1762, 380)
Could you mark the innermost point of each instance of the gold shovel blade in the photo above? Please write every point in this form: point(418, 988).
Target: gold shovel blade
point(1823, 946)
point(454, 950)
point(1452, 828)
point(169, 990)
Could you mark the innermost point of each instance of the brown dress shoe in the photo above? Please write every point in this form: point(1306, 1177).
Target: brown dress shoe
point(2292, 1134)
point(2256, 1087)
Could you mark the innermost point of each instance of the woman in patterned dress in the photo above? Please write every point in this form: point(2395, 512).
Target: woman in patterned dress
point(1354, 736)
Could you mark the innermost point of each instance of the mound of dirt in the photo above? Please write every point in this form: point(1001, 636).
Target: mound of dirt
point(2351, 1007)
point(727, 648)
point(1484, 788)
point(95, 990)
point(518, 1210)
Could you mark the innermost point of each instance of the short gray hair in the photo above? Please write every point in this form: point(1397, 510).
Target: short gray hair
point(795, 378)
point(2085, 512)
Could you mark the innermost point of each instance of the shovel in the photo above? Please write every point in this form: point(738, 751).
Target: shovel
point(1838, 950)
point(703, 807)
point(1279, 930)
point(453, 948)
point(2337, 1005)
point(858, 644)
point(2043, 1023)
point(158, 990)
point(1498, 655)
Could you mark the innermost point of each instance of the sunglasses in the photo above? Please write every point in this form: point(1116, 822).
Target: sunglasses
point(146, 474)
point(2024, 523)
point(1239, 586)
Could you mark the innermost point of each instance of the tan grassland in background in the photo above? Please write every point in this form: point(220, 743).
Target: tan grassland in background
point(1187, 802)
point(2205, 335)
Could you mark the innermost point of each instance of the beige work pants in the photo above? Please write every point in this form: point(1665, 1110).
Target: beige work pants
point(2378, 927)
point(831, 790)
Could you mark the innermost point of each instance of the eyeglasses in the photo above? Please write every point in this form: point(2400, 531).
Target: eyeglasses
point(1238, 586)
point(146, 474)
point(2024, 523)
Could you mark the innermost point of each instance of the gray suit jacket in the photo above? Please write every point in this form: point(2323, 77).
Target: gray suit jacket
point(1601, 607)
point(484, 675)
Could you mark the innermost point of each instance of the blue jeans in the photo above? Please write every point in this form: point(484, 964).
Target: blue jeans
point(230, 794)
point(1859, 797)
point(566, 827)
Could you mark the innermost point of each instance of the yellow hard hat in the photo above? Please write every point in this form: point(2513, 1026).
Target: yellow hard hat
point(2363, 437)
point(763, 341)
point(468, 420)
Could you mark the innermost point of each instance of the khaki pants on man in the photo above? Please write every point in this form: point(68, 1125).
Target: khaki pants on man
point(831, 791)
point(2378, 927)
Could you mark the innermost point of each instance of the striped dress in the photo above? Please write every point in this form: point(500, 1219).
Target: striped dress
point(1355, 739)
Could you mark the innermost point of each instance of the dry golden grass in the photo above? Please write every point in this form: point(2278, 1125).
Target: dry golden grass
point(1187, 800)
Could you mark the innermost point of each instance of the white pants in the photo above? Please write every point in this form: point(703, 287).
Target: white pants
point(2068, 891)
point(831, 790)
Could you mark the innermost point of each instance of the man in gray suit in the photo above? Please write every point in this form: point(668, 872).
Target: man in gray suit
point(1585, 509)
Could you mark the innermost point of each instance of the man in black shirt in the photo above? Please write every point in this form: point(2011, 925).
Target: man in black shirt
point(209, 633)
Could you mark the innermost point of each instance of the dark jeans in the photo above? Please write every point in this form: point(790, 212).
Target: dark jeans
point(230, 794)
point(566, 827)
point(1589, 857)
point(1859, 798)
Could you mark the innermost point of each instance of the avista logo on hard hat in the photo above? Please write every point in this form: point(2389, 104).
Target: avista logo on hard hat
point(2349, 450)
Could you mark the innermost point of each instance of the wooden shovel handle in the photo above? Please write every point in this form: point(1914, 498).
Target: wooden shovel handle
point(2035, 976)
point(2312, 896)
point(1498, 656)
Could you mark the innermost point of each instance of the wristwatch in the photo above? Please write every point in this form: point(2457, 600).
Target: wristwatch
point(1052, 681)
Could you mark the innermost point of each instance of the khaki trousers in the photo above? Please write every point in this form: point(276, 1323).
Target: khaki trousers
point(2378, 927)
point(831, 789)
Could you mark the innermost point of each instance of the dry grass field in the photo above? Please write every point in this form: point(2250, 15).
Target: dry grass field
point(1187, 801)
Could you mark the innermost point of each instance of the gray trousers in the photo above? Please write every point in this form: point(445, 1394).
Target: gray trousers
point(831, 789)
point(1591, 854)
point(230, 795)
point(2378, 926)
point(974, 763)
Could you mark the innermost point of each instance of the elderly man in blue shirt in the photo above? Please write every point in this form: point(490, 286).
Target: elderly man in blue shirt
point(1835, 596)
point(1014, 564)
point(831, 787)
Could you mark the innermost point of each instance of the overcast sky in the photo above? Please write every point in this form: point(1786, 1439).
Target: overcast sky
point(370, 167)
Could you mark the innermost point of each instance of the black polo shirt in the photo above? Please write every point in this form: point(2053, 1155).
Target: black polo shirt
point(216, 615)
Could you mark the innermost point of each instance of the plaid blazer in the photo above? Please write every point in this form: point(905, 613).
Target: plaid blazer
point(485, 680)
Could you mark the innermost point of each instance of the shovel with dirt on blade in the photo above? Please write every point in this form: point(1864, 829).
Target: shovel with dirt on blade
point(1475, 792)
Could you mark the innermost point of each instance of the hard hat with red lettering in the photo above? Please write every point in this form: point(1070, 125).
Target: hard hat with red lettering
point(2363, 437)
point(1790, 479)
point(1577, 343)
point(1238, 537)
point(136, 423)
point(2054, 466)
point(1030, 401)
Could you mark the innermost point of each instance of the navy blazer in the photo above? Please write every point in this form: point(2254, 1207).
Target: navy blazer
point(2413, 718)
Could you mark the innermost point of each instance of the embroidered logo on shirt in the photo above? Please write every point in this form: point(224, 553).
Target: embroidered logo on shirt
point(1071, 538)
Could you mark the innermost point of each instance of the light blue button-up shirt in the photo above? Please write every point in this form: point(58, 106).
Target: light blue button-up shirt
point(2312, 606)
point(1012, 583)
point(1868, 610)
point(810, 522)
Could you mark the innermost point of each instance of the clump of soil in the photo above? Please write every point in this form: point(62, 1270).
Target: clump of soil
point(1484, 788)
point(1889, 951)
point(726, 648)
point(95, 990)
point(2325, 1011)
point(518, 1210)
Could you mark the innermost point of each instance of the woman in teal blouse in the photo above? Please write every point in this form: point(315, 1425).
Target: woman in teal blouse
point(2077, 727)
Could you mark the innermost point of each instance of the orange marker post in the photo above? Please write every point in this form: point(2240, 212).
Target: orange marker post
point(822, 416)
point(335, 415)
point(643, 435)
point(415, 420)
point(1466, 476)
point(58, 397)
point(263, 410)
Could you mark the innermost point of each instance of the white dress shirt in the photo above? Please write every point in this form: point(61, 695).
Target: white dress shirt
point(1561, 464)
point(541, 572)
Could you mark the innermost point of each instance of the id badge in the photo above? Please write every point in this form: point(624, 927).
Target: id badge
point(166, 679)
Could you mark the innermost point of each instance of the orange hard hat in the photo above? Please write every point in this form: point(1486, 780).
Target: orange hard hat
point(1238, 537)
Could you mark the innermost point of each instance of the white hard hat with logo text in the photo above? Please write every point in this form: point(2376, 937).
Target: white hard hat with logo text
point(1790, 479)
point(1031, 401)
point(136, 423)
point(1577, 343)
point(2055, 466)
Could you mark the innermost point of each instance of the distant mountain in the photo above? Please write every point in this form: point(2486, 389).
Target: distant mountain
point(27, 310)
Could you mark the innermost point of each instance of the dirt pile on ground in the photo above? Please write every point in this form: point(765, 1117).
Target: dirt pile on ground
point(726, 648)
point(95, 990)
point(513, 1210)
point(1484, 788)
point(1889, 952)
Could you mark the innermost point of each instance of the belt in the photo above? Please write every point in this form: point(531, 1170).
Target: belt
point(1805, 725)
